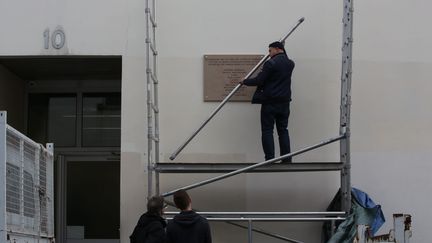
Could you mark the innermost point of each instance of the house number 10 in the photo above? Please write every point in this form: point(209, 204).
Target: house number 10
point(58, 38)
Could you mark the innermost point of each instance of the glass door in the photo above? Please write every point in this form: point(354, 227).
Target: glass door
point(90, 203)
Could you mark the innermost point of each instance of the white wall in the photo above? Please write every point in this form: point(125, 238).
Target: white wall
point(91, 27)
point(391, 108)
point(391, 111)
point(226, 27)
point(97, 27)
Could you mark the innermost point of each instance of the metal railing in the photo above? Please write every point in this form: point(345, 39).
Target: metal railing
point(224, 101)
point(250, 217)
point(26, 186)
point(269, 216)
point(248, 168)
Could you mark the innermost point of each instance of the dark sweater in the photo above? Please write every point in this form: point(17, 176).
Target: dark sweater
point(149, 229)
point(274, 81)
point(188, 227)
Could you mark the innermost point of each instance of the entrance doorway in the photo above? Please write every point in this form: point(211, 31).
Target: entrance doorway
point(75, 103)
point(89, 195)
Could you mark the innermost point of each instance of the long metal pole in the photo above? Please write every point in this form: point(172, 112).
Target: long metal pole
point(250, 231)
point(149, 107)
point(224, 101)
point(257, 230)
point(218, 178)
point(155, 98)
point(150, 133)
point(267, 214)
point(273, 219)
point(3, 227)
point(345, 110)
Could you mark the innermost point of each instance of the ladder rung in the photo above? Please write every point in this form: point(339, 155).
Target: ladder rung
point(152, 76)
point(228, 167)
point(155, 109)
point(150, 71)
point(155, 139)
point(155, 80)
point(153, 49)
point(152, 20)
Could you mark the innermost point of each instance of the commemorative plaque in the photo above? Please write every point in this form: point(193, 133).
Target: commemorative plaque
point(222, 73)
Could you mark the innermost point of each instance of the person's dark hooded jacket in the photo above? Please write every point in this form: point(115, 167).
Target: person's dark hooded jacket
point(274, 81)
point(149, 229)
point(188, 227)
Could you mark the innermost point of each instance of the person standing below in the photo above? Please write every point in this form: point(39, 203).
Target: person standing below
point(187, 226)
point(151, 226)
point(274, 94)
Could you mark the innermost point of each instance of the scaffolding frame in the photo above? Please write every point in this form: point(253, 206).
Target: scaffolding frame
point(155, 167)
point(152, 99)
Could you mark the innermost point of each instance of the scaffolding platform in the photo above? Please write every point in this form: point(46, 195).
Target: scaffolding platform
point(168, 167)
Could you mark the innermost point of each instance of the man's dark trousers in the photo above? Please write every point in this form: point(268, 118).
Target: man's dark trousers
point(270, 114)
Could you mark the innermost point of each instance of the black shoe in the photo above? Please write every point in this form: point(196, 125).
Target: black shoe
point(286, 161)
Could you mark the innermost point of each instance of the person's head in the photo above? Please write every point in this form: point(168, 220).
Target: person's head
point(155, 205)
point(276, 48)
point(182, 200)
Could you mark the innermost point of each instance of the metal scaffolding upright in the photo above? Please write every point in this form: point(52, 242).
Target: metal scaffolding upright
point(152, 98)
point(345, 103)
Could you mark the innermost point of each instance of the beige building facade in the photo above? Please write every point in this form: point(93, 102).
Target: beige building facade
point(89, 59)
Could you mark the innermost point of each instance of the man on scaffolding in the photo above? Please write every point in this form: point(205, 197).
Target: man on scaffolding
point(274, 94)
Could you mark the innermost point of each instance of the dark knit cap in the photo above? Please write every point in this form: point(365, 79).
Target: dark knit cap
point(278, 44)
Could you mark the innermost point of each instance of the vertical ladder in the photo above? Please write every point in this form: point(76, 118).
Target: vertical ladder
point(152, 98)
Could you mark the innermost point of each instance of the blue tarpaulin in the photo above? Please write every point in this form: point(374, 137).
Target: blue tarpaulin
point(363, 211)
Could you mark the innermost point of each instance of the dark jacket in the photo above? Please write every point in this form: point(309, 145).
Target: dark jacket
point(149, 229)
point(274, 81)
point(188, 227)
